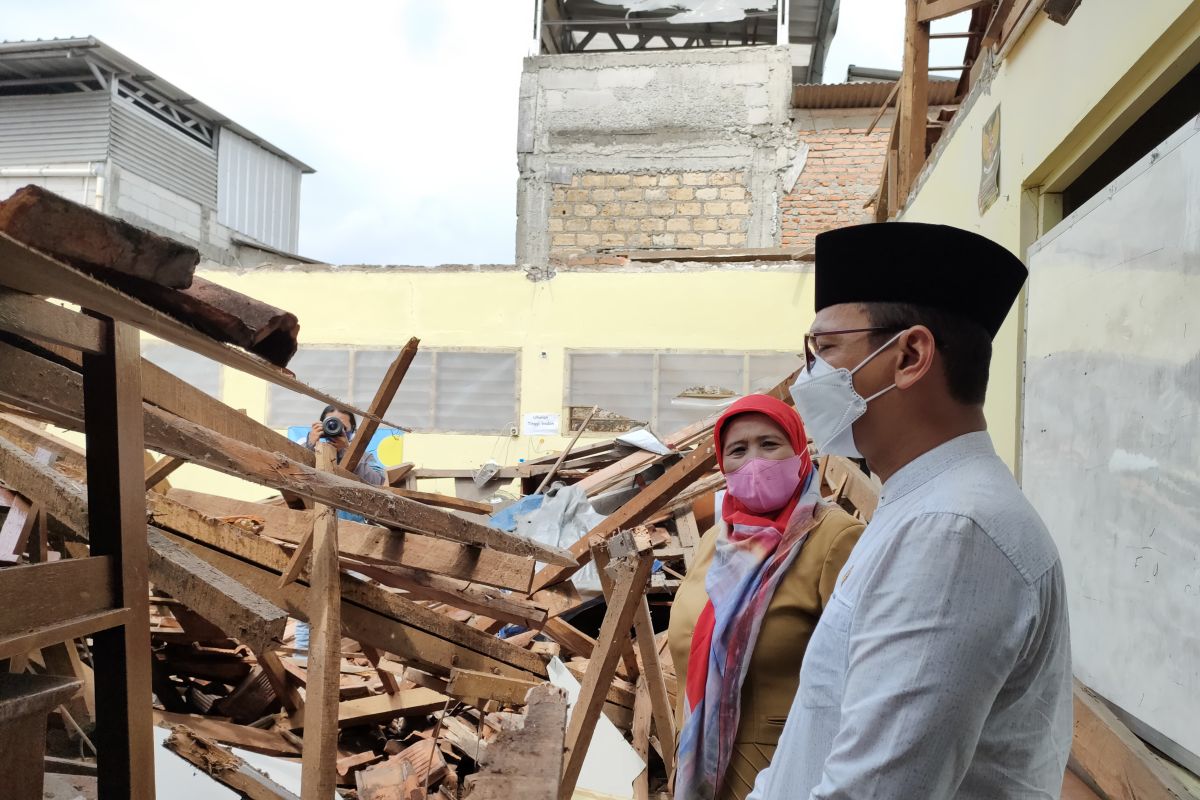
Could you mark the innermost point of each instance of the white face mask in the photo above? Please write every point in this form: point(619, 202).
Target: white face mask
point(829, 404)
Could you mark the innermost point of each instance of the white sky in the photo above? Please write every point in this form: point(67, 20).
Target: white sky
point(407, 109)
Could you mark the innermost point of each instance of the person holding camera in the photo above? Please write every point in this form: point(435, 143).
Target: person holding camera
point(337, 428)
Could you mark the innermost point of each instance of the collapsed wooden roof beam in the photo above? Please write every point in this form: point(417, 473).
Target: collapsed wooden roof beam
point(31, 381)
point(32, 272)
point(213, 595)
point(396, 624)
point(375, 544)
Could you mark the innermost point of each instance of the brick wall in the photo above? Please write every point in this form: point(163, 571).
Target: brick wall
point(840, 176)
point(657, 210)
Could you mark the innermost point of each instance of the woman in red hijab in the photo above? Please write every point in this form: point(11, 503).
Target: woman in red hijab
point(743, 616)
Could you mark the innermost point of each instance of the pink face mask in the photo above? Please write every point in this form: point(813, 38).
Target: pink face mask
point(764, 485)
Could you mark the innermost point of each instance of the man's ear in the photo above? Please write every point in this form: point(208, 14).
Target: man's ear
point(916, 349)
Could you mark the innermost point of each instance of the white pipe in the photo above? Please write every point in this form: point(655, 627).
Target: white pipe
point(85, 171)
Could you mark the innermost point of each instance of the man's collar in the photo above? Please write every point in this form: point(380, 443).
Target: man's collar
point(933, 463)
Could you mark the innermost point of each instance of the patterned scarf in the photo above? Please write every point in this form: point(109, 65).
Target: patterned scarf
point(753, 552)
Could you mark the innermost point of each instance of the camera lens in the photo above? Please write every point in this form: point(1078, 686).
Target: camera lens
point(333, 427)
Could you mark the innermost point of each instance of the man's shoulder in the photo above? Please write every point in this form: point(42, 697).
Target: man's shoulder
point(982, 491)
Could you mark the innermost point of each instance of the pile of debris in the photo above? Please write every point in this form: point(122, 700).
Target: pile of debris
point(433, 625)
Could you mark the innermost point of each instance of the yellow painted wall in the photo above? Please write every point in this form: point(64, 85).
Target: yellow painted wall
point(734, 309)
point(1065, 94)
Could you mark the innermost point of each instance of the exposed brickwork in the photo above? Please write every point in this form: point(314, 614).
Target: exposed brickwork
point(841, 174)
point(637, 211)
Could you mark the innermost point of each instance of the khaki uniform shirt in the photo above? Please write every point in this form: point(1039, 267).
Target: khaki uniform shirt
point(790, 619)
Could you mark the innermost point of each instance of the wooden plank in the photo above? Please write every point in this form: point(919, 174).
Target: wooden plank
point(156, 475)
point(526, 763)
point(178, 437)
point(387, 678)
point(33, 317)
point(381, 402)
point(175, 436)
point(856, 487)
point(399, 474)
point(73, 628)
point(569, 637)
point(928, 10)
point(39, 595)
point(70, 459)
point(445, 501)
point(256, 740)
point(378, 709)
point(112, 395)
point(387, 623)
point(883, 109)
point(652, 679)
point(35, 273)
point(473, 686)
point(641, 740)
point(376, 544)
point(20, 521)
point(221, 313)
point(209, 592)
point(269, 556)
point(1075, 789)
point(319, 775)
point(212, 594)
point(914, 90)
point(689, 535)
point(223, 766)
point(460, 594)
point(83, 236)
point(995, 26)
point(629, 573)
point(637, 510)
point(62, 658)
point(1106, 753)
point(272, 667)
point(563, 455)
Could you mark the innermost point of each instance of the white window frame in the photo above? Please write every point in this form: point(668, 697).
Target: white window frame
point(347, 392)
point(653, 422)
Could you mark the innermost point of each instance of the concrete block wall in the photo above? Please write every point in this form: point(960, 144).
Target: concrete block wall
point(152, 206)
point(674, 135)
point(649, 210)
point(841, 172)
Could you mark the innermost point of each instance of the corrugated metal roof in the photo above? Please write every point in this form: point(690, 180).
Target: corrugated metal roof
point(37, 59)
point(864, 94)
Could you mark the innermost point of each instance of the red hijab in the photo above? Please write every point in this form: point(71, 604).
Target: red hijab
point(783, 415)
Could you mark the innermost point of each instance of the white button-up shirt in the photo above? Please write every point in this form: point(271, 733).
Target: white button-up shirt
point(941, 667)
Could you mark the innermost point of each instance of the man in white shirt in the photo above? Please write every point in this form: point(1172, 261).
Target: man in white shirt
point(941, 665)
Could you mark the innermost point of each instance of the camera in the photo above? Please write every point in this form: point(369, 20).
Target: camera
point(332, 427)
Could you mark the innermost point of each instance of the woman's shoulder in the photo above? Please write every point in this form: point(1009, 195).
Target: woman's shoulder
point(835, 524)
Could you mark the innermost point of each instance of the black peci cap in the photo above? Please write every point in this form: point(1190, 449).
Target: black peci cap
point(914, 262)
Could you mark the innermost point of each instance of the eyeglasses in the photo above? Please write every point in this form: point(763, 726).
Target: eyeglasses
point(810, 339)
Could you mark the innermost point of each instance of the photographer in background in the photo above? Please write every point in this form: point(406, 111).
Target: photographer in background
point(337, 428)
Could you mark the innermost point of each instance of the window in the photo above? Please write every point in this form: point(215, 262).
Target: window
point(667, 391)
point(201, 372)
point(444, 390)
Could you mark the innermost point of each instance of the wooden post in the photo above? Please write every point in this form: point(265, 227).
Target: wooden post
point(629, 572)
point(914, 101)
point(319, 772)
point(641, 739)
point(655, 683)
point(112, 410)
point(563, 455)
point(383, 398)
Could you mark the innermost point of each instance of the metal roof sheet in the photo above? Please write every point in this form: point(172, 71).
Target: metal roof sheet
point(864, 94)
point(38, 59)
